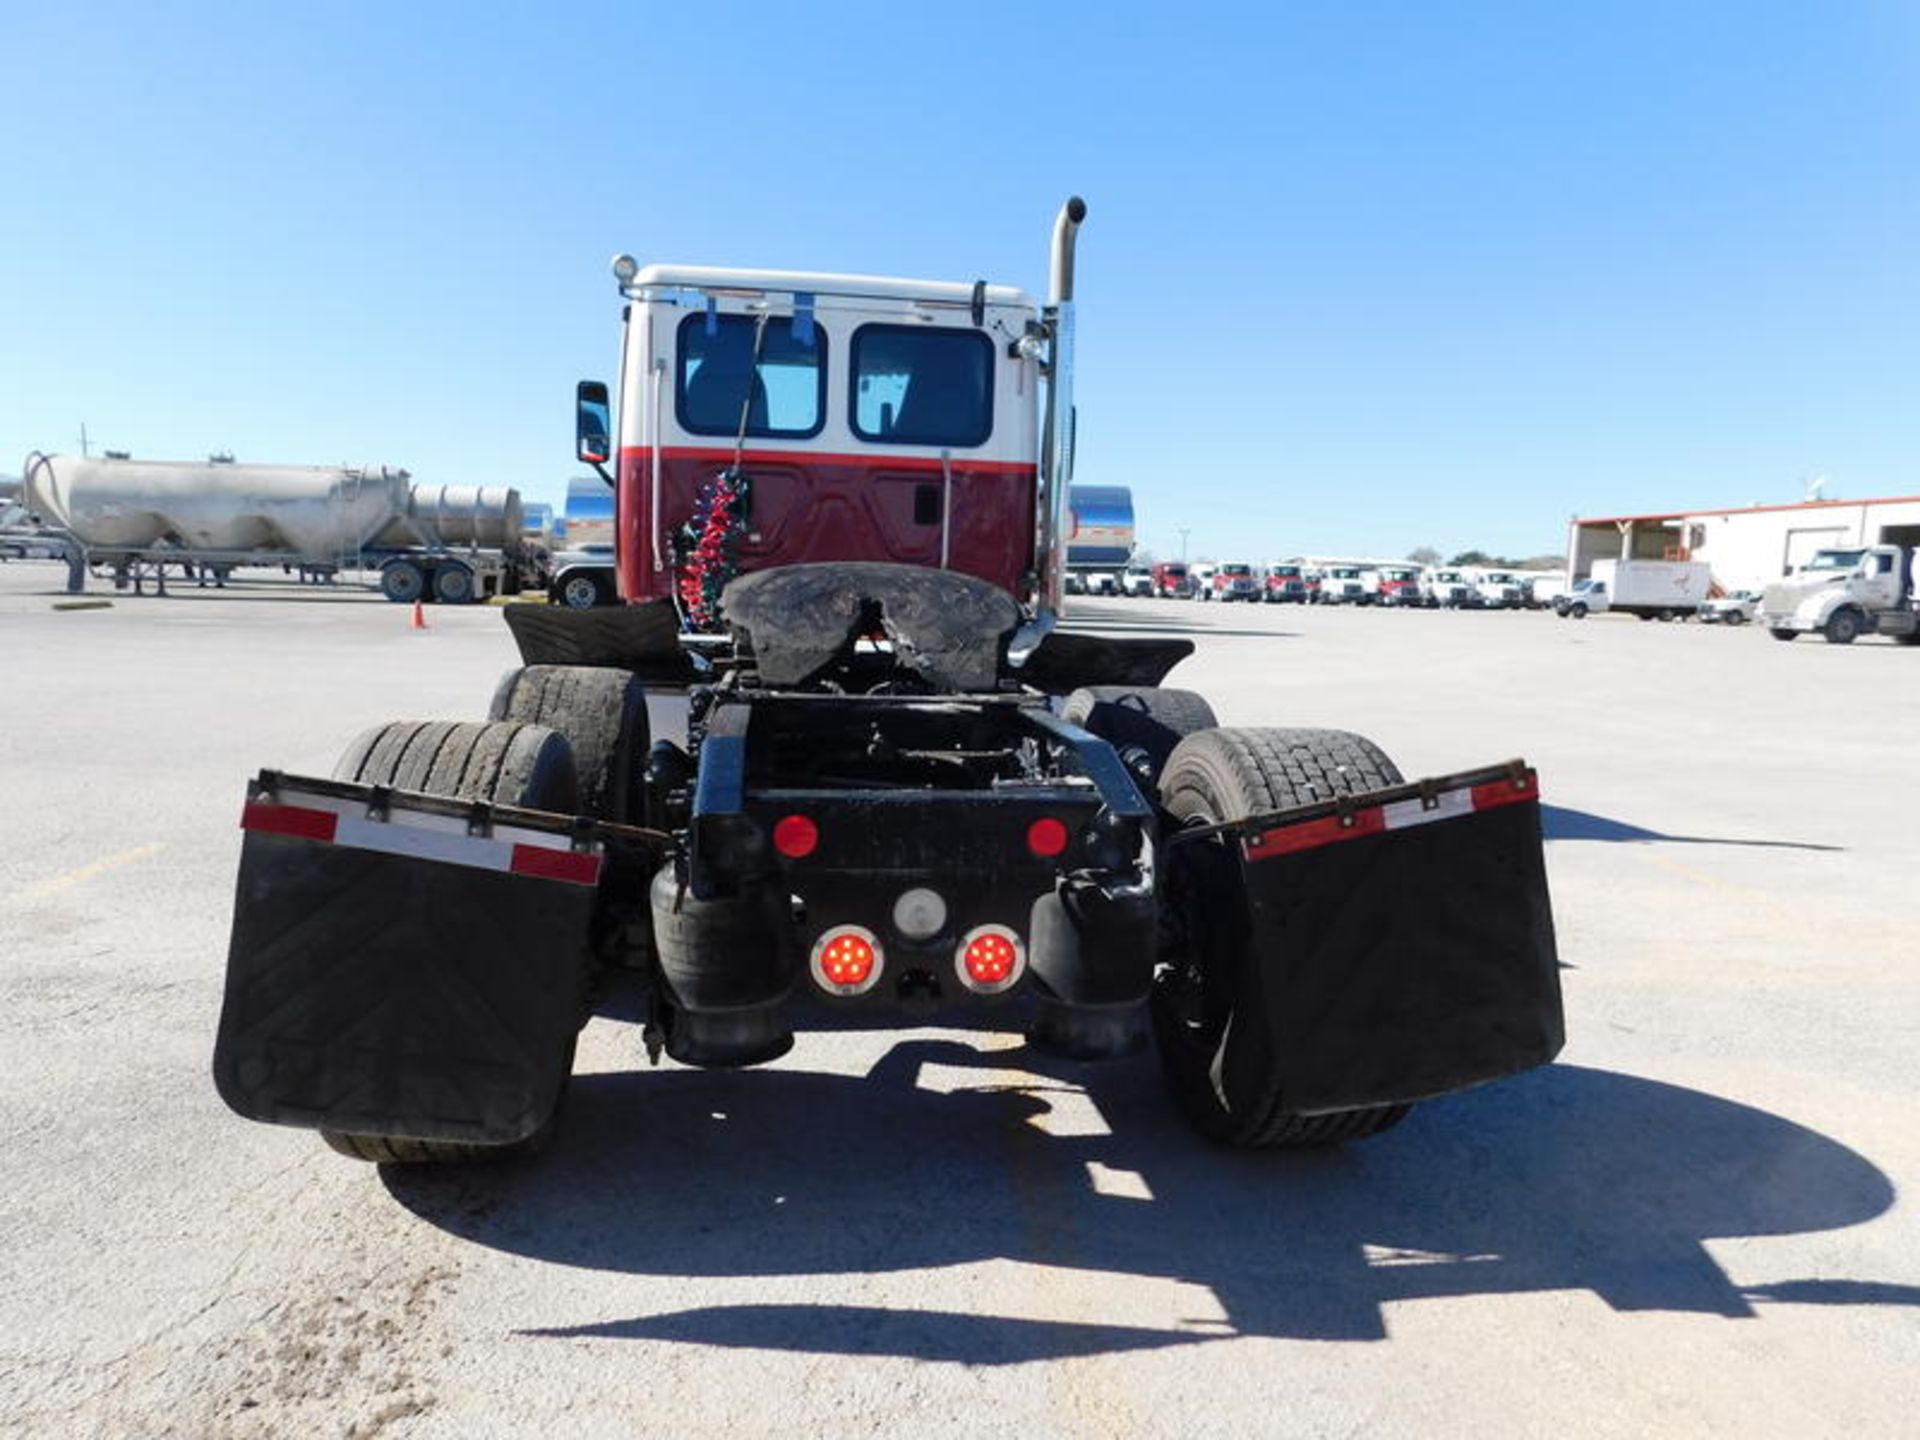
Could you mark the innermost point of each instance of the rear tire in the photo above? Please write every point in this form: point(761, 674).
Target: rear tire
point(507, 764)
point(403, 582)
point(603, 714)
point(580, 592)
point(1229, 774)
point(453, 585)
point(1147, 719)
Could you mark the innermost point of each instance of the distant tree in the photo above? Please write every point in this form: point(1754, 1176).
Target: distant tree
point(1472, 557)
point(1547, 562)
point(1424, 555)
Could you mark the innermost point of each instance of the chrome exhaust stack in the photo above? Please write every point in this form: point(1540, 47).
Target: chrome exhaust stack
point(1056, 442)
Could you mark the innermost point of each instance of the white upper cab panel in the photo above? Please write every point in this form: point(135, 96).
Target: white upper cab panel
point(811, 399)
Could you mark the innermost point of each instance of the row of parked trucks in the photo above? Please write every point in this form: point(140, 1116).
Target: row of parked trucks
point(1347, 582)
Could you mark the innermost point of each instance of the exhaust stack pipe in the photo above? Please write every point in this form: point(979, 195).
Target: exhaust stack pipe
point(1066, 230)
point(1056, 440)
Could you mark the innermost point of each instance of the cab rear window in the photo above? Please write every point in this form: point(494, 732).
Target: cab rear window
point(913, 385)
point(732, 368)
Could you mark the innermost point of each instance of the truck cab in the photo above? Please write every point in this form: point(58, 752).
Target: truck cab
point(1286, 585)
point(882, 420)
point(1171, 580)
point(1397, 585)
point(1845, 593)
point(1235, 580)
point(1499, 589)
point(1344, 585)
point(1450, 589)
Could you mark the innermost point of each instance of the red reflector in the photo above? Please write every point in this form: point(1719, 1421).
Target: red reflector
point(544, 864)
point(795, 836)
point(1047, 837)
point(292, 820)
point(846, 960)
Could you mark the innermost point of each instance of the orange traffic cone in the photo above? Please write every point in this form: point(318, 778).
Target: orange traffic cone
point(419, 616)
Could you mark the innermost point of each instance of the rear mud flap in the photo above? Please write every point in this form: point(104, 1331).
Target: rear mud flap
point(386, 994)
point(1403, 947)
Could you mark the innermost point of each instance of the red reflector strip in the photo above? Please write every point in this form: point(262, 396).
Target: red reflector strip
point(1399, 815)
point(573, 866)
point(289, 820)
point(1502, 792)
point(1312, 834)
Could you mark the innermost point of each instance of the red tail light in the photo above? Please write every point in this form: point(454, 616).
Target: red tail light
point(990, 959)
point(795, 836)
point(1047, 837)
point(847, 960)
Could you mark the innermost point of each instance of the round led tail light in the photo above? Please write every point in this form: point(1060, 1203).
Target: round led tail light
point(847, 960)
point(990, 959)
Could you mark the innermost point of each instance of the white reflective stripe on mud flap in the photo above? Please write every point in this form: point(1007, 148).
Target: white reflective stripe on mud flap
point(422, 835)
point(1404, 813)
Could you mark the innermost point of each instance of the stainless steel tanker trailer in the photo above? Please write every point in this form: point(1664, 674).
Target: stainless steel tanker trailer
point(449, 543)
point(901, 793)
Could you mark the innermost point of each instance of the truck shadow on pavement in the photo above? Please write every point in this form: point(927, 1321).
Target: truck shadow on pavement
point(1557, 823)
point(1566, 1178)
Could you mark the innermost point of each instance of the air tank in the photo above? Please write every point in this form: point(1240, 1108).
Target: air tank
point(310, 511)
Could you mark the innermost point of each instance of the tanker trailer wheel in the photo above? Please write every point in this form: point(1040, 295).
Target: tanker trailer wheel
point(402, 581)
point(1215, 776)
point(508, 764)
point(1144, 719)
point(453, 585)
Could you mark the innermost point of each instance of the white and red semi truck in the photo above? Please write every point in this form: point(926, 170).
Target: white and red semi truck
point(903, 790)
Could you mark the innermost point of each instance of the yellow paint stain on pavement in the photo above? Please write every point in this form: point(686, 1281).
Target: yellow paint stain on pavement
point(57, 884)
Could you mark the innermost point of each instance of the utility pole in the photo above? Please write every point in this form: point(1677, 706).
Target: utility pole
point(1183, 547)
point(83, 439)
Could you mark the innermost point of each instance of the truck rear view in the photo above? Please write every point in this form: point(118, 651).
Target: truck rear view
point(904, 791)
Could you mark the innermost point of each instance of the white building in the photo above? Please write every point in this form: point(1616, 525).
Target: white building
point(1747, 547)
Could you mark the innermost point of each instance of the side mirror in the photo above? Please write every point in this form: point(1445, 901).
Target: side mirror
point(592, 423)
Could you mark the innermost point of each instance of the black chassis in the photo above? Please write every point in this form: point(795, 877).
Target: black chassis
point(935, 792)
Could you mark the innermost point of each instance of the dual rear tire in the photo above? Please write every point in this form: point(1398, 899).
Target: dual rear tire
point(1204, 775)
point(505, 764)
point(1206, 960)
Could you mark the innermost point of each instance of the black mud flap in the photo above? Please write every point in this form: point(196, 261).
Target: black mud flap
point(1403, 946)
point(401, 971)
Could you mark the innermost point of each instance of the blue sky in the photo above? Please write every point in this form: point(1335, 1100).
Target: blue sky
point(1356, 276)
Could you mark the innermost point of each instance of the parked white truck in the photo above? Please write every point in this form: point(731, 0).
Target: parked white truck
point(1844, 594)
point(1498, 589)
point(1448, 588)
point(1651, 589)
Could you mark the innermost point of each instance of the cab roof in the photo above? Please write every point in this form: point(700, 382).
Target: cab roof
point(820, 282)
